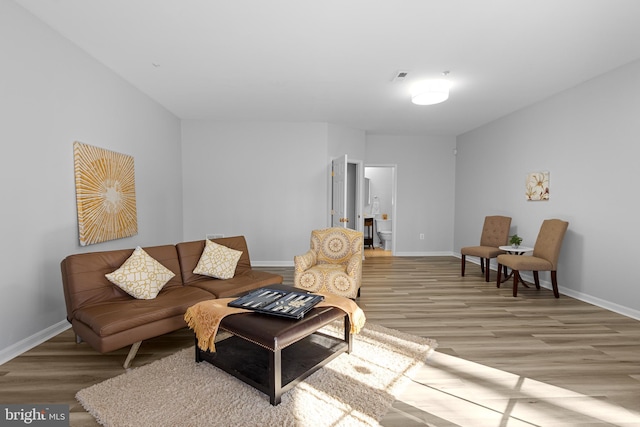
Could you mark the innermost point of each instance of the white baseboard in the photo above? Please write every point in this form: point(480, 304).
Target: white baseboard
point(607, 305)
point(272, 263)
point(407, 254)
point(589, 299)
point(443, 253)
point(34, 340)
point(50, 332)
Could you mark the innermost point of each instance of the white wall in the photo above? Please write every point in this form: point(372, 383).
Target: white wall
point(587, 138)
point(381, 179)
point(266, 181)
point(270, 181)
point(425, 190)
point(52, 94)
point(342, 140)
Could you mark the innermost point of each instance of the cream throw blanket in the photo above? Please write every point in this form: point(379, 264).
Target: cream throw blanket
point(205, 317)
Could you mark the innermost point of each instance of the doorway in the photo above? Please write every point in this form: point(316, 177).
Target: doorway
point(380, 201)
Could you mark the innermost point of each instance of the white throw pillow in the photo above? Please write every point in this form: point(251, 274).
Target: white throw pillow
point(218, 261)
point(141, 276)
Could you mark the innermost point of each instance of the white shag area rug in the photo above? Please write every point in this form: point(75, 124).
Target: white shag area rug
point(354, 389)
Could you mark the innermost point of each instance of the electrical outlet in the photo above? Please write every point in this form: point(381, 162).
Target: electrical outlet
point(421, 236)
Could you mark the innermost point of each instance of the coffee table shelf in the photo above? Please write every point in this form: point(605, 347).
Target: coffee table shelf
point(259, 367)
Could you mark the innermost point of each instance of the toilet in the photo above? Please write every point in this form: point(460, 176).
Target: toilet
point(383, 228)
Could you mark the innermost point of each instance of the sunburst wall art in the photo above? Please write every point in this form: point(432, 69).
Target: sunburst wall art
point(105, 194)
point(537, 186)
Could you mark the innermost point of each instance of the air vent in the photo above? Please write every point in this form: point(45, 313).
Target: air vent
point(399, 76)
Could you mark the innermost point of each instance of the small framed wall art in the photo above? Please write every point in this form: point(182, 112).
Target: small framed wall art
point(537, 186)
point(105, 194)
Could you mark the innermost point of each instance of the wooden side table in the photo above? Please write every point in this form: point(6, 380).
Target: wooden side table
point(368, 237)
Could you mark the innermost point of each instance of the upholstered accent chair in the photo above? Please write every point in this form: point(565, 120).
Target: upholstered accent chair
point(545, 256)
point(495, 233)
point(333, 263)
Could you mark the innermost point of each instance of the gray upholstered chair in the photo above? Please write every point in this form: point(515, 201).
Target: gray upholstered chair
point(545, 256)
point(333, 263)
point(495, 232)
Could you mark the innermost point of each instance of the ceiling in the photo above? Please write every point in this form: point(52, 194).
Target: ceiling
point(334, 60)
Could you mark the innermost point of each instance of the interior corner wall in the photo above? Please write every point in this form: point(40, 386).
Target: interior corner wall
point(52, 95)
point(343, 140)
point(587, 138)
point(425, 168)
point(266, 181)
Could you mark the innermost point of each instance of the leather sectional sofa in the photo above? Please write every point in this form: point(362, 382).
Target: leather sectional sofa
point(108, 318)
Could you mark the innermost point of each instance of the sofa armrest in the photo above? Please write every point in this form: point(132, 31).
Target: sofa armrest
point(305, 261)
point(354, 265)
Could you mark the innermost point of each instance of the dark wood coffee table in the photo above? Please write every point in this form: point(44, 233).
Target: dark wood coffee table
point(273, 354)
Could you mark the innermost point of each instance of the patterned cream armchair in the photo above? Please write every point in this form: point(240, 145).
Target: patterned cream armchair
point(333, 264)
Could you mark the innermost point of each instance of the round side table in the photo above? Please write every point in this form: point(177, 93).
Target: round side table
point(517, 250)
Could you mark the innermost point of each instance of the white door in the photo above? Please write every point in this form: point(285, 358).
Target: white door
point(339, 192)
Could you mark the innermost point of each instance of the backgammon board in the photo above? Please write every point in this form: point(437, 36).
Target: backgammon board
point(291, 304)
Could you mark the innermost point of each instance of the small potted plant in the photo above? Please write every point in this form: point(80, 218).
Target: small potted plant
point(515, 240)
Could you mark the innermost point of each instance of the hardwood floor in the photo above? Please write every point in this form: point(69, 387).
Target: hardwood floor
point(370, 253)
point(528, 361)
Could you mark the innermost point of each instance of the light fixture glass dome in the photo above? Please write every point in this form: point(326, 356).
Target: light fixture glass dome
point(431, 92)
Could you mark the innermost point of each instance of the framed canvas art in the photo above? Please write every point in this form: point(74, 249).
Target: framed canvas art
point(105, 194)
point(537, 186)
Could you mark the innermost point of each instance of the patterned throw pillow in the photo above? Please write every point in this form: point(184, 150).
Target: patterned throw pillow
point(218, 261)
point(141, 276)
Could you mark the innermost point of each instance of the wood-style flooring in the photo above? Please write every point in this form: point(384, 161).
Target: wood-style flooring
point(370, 253)
point(501, 361)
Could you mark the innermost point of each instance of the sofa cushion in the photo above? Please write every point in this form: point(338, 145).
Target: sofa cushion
point(189, 254)
point(217, 261)
point(141, 276)
point(114, 316)
point(240, 283)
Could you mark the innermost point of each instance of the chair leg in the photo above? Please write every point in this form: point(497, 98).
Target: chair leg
point(554, 283)
point(462, 263)
point(536, 280)
point(482, 264)
point(516, 279)
point(487, 270)
point(499, 279)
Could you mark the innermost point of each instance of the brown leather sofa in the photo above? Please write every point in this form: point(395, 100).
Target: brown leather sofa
point(108, 318)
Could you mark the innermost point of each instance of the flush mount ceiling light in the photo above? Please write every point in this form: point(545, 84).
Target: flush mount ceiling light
point(431, 92)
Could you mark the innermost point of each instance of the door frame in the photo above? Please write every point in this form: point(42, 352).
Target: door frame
point(339, 181)
point(359, 193)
